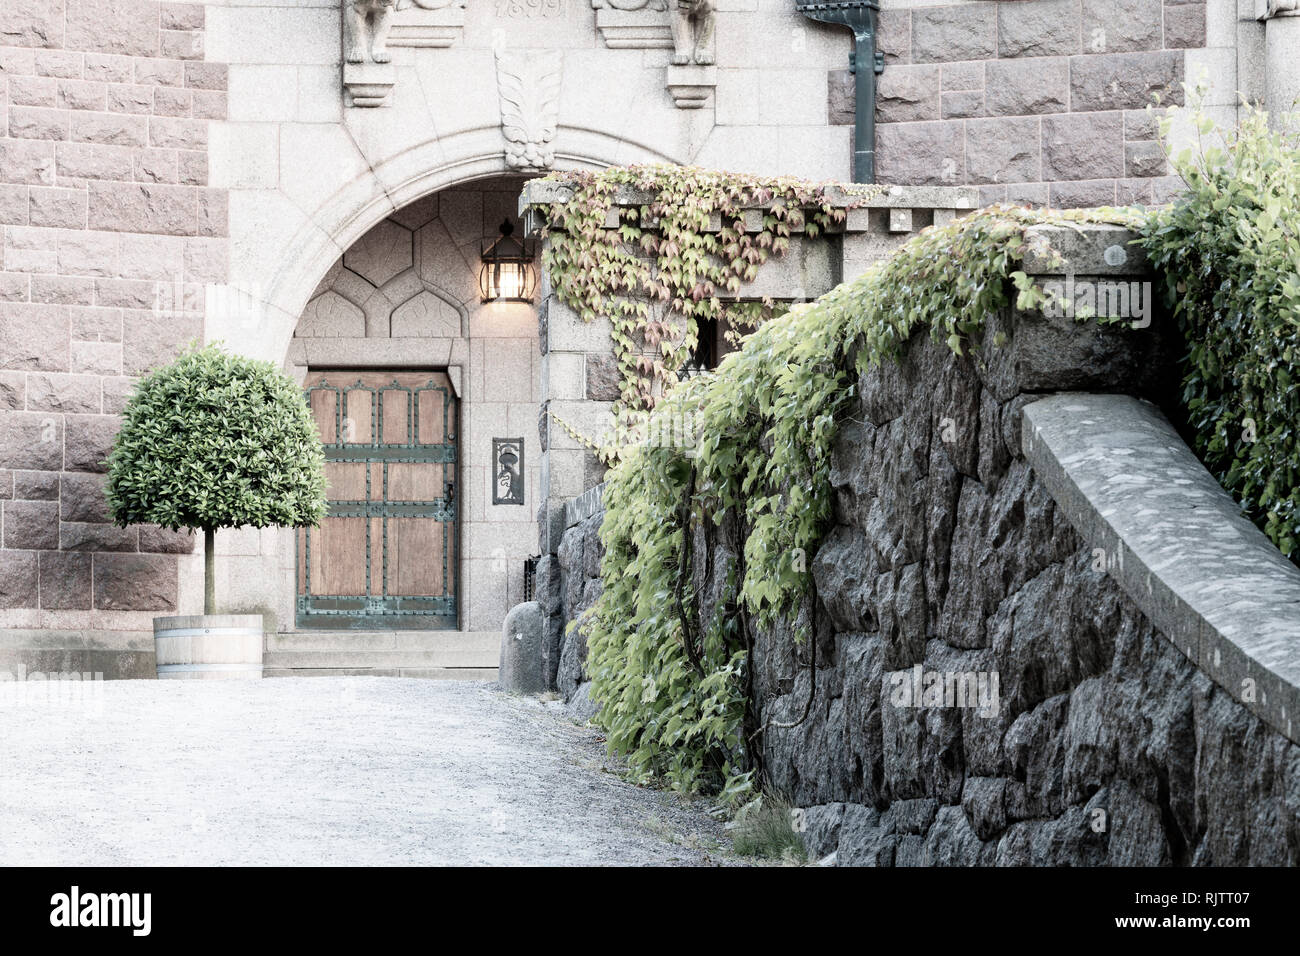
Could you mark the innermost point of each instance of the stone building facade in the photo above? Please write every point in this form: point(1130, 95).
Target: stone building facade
point(1044, 101)
point(112, 228)
point(182, 171)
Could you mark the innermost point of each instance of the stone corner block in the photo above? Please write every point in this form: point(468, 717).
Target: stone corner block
point(1095, 250)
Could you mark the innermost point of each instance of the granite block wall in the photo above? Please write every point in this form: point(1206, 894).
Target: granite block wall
point(1039, 101)
point(110, 236)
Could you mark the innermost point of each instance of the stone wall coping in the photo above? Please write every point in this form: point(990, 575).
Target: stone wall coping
point(584, 506)
point(1176, 542)
point(542, 192)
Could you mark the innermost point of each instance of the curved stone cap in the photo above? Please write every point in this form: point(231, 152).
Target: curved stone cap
point(189, 622)
point(1176, 542)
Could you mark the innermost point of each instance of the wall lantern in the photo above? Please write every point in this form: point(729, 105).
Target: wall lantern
point(506, 274)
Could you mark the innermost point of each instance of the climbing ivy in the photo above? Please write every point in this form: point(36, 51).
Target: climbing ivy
point(659, 268)
point(1229, 247)
point(752, 461)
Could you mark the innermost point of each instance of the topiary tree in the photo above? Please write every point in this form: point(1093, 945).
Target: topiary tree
point(212, 441)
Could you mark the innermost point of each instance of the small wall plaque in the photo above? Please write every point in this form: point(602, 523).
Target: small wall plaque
point(508, 462)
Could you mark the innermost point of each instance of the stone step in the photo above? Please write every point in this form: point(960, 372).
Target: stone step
point(469, 656)
point(433, 655)
point(487, 642)
point(424, 673)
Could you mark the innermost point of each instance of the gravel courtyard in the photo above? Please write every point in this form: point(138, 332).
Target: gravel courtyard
point(329, 771)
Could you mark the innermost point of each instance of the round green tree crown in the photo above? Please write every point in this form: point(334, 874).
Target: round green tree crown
point(215, 440)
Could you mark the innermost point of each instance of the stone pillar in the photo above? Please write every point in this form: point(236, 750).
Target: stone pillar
point(579, 385)
point(1281, 56)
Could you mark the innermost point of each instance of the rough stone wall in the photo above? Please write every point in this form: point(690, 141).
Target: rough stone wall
point(568, 583)
point(1107, 746)
point(1039, 101)
point(110, 234)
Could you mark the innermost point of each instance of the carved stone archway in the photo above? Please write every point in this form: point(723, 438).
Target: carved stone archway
point(341, 219)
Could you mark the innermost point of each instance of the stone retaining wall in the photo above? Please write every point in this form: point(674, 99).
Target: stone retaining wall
point(567, 584)
point(1107, 745)
point(954, 561)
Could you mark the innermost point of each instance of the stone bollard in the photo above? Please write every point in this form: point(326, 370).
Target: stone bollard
point(522, 665)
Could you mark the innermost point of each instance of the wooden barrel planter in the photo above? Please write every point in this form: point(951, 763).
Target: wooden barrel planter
point(209, 647)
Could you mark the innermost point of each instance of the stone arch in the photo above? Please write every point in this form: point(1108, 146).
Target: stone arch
point(342, 218)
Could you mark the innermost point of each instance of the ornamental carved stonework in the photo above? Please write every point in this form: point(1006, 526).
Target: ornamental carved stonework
point(687, 27)
point(528, 83)
point(371, 27)
point(634, 24)
point(429, 23)
point(365, 29)
point(629, 4)
point(693, 23)
point(367, 25)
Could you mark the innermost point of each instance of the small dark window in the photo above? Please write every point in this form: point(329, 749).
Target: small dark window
point(706, 354)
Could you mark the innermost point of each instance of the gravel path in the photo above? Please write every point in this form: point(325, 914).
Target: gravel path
point(333, 771)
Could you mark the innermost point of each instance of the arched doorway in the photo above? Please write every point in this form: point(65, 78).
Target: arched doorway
point(416, 384)
point(278, 274)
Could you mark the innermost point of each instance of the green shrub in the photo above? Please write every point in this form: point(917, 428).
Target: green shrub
point(674, 690)
point(215, 440)
point(1229, 248)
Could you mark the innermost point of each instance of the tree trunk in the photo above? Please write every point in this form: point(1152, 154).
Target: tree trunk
point(209, 572)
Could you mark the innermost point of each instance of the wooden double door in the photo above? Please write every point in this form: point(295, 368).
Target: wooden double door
point(386, 554)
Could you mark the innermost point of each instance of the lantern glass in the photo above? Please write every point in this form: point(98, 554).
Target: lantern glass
point(506, 274)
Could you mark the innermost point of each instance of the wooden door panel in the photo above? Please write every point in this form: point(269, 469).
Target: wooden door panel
point(324, 404)
point(358, 414)
point(385, 555)
point(437, 416)
point(412, 482)
point(346, 480)
point(335, 547)
point(415, 553)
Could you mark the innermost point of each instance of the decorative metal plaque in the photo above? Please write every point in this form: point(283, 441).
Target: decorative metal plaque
point(508, 465)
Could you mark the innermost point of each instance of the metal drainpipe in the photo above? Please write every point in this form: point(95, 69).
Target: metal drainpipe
point(860, 17)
